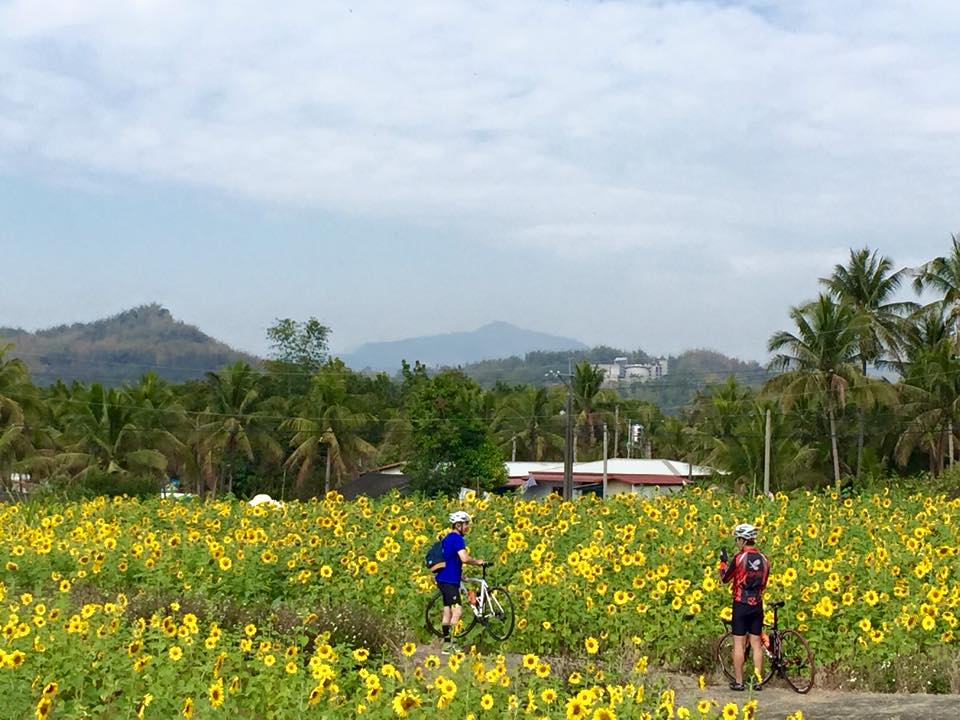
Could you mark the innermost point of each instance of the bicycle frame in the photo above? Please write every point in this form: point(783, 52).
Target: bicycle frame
point(485, 600)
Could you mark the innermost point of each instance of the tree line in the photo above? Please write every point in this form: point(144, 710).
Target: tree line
point(864, 384)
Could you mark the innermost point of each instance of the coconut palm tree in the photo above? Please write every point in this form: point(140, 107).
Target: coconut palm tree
point(942, 274)
point(329, 426)
point(821, 362)
point(867, 283)
point(741, 453)
point(930, 388)
point(529, 418)
point(233, 424)
point(590, 402)
point(931, 395)
point(101, 429)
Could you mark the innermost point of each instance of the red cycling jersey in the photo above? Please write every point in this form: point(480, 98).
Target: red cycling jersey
point(748, 573)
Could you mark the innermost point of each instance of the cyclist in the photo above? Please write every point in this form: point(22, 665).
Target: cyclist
point(448, 579)
point(747, 573)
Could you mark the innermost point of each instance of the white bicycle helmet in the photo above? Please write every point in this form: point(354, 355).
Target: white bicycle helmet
point(745, 531)
point(459, 516)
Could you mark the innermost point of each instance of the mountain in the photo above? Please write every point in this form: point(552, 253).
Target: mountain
point(120, 349)
point(496, 340)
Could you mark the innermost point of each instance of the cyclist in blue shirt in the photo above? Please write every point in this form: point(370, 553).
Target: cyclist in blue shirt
point(455, 556)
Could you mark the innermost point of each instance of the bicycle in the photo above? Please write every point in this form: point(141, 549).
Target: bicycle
point(786, 651)
point(489, 606)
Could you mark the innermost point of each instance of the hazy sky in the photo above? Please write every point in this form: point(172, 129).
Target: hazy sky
point(662, 175)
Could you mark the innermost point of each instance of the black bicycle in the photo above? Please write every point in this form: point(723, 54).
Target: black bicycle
point(787, 654)
point(489, 606)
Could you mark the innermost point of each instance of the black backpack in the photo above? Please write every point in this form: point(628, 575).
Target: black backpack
point(434, 557)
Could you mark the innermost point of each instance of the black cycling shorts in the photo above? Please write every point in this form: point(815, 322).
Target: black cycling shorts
point(747, 619)
point(450, 593)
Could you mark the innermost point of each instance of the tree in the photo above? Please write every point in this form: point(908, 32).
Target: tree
point(589, 401)
point(453, 446)
point(930, 388)
point(17, 398)
point(528, 417)
point(867, 283)
point(931, 392)
point(329, 424)
point(820, 362)
point(943, 275)
point(740, 453)
point(105, 429)
point(232, 425)
point(299, 348)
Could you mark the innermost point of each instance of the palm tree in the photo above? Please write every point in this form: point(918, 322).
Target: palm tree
point(820, 361)
point(929, 376)
point(233, 424)
point(719, 409)
point(867, 283)
point(529, 418)
point(101, 429)
point(943, 275)
point(588, 401)
point(329, 425)
point(741, 453)
point(931, 393)
point(17, 397)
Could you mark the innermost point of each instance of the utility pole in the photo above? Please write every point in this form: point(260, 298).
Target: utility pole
point(629, 438)
point(766, 456)
point(568, 447)
point(616, 431)
point(604, 461)
point(513, 453)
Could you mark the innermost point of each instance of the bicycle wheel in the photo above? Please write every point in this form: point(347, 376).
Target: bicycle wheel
point(433, 618)
point(498, 615)
point(725, 660)
point(796, 661)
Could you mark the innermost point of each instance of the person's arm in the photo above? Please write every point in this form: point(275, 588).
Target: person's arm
point(727, 569)
point(467, 560)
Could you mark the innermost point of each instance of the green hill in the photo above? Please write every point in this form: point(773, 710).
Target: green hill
point(120, 349)
point(689, 372)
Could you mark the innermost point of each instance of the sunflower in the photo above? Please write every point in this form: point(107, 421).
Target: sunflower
point(215, 693)
point(730, 711)
point(408, 649)
point(591, 645)
point(486, 702)
point(404, 702)
point(187, 709)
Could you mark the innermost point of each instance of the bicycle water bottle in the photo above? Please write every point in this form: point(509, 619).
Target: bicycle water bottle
point(765, 639)
point(472, 597)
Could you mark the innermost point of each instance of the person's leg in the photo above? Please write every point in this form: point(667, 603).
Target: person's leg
point(756, 647)
point(445, 622)
point(739, 641)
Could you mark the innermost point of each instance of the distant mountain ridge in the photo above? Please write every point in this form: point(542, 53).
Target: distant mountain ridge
point(495, 340)
point(121, 348)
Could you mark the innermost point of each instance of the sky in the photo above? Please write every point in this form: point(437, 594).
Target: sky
point(662, 175)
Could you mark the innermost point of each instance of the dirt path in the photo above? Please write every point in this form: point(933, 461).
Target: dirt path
point(777, 700)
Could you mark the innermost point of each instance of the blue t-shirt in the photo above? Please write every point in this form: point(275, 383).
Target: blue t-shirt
point(451, 573)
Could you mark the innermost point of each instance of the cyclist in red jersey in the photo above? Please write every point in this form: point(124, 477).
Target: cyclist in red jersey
point(747, 573)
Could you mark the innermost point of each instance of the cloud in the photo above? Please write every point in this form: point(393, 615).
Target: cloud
point(622, 125)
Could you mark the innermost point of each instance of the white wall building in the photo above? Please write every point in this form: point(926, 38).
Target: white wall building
point(620, 371)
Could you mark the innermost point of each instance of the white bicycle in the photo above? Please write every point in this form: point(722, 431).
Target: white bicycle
point(489, 606)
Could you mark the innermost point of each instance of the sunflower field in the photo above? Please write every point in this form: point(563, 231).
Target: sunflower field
point(121, 608)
